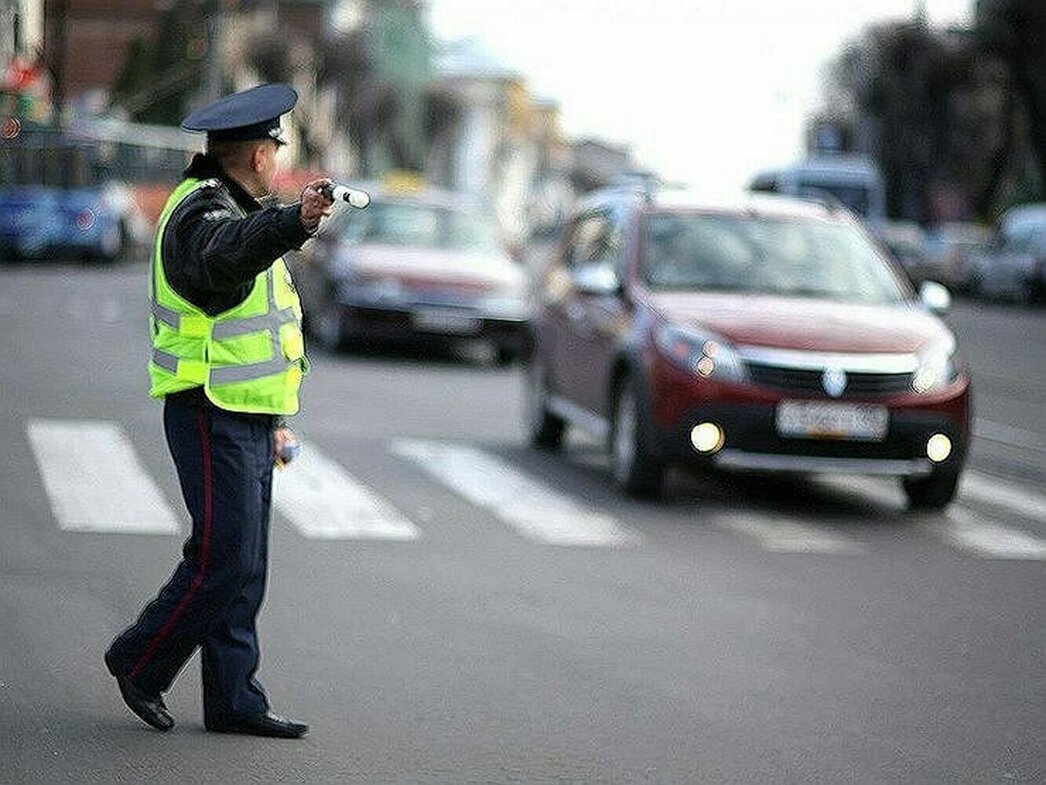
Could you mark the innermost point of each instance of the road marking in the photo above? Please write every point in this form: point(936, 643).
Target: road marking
point(535, 510)
point(95, 481)
point(997, 493)
point(785, 535)
point(965, 529)
point(324, 502)
point(974, 488)
point(1008, 434)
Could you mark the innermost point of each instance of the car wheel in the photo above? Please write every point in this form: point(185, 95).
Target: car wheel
point(545, 429)
point(329, 330)
point(934, 492)
point(634, 467)
point(503, 355)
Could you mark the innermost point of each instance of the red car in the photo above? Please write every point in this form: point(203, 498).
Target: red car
point(770, 334)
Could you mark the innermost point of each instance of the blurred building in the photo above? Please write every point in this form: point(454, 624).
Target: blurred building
point(381, 82)
point(21, 29)
point(24, 84)
point(494, 148)
point(86, 43)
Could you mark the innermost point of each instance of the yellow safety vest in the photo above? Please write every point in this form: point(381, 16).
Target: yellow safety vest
point(250, 358)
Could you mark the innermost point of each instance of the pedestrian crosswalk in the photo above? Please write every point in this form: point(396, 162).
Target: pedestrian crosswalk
point(325, 502)
point(95, 481)
point(534, 509)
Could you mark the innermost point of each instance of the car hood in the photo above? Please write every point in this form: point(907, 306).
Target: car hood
point(421, 265)
point(806, 324)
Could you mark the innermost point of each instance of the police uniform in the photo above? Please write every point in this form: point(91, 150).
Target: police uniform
point(227, 360)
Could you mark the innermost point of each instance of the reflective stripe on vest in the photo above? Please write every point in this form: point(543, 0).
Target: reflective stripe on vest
point(273, 320)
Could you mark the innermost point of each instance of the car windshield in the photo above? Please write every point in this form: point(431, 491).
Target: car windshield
point(782, 256)
point(429, 226)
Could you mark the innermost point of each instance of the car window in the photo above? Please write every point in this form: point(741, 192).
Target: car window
point(391, 223)
point(595, 241)
point(790, 257)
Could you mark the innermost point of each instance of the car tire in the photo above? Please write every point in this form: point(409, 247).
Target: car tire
point(934, 492)
point(635, 469)
point(504, 355)
point(544, 429)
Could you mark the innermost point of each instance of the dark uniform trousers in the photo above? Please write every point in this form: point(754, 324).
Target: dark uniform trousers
point(224, 464)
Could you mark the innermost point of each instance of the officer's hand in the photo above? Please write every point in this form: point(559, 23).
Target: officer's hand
point(284, 446)
point(314, 205)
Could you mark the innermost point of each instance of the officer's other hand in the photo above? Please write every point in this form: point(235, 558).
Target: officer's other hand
point(314, 205)
point(284, 446)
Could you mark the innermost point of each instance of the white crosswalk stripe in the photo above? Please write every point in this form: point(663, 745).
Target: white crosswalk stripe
point(95, 481)
point(785, 535)
point(960, 525)
point(535, 510)
point(997, 493)
point(324, 502)
point(967, 530)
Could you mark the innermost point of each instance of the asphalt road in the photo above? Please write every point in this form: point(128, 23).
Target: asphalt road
point(488, 613)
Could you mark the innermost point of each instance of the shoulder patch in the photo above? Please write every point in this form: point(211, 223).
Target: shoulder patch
point(211, 182)
point(215, 215)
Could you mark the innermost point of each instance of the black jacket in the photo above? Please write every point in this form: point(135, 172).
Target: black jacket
point(211, 253)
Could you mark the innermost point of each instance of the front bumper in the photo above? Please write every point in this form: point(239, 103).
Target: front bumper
point(428, 323)
point(751, 441)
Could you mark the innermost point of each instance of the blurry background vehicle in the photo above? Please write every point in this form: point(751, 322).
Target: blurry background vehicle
point(416, 266)
point(905, 241)
point(58, 200)
point(49, 222)
point(1013, 266)
point(852, 180)
point(949, 252)
point(768, 334)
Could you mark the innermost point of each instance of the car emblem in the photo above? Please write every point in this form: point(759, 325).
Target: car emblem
point(834, 381)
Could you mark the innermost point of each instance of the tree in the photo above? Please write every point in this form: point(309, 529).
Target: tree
point(158, 78)
point(1015, 31)
point(932, 107)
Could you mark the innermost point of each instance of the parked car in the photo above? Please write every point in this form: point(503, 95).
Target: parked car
point(905, 241)
point(39, 221)
point(1013, 266)
point(420, 266)
point(770, 334)
point(949, 253)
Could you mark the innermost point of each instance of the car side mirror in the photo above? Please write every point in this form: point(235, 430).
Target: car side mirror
point(935, 297)
point(599, 280)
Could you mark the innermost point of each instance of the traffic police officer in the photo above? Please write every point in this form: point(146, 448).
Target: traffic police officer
point(227, 359)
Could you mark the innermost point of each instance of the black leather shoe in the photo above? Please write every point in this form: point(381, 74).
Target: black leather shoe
point(267, 724)
point(149, 708)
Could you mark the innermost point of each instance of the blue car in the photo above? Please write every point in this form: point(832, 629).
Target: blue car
point(44, 222)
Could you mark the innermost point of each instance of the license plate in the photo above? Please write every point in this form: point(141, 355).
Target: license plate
point(825, 420)
point(443, 321)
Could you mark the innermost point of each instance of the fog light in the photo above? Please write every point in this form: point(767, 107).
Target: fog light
point(706, 437)
point(938, 448)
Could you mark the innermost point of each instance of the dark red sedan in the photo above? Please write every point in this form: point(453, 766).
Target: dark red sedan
point(769, 334)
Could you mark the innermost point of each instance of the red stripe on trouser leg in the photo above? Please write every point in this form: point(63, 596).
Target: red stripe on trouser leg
point(201, 572)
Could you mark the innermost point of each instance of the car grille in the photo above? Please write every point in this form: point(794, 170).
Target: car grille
point(807, 381)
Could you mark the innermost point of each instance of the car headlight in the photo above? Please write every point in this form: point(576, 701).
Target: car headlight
point(937, 367)
point(699, 352)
